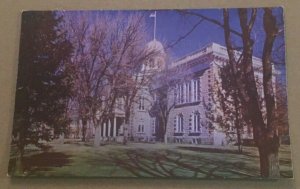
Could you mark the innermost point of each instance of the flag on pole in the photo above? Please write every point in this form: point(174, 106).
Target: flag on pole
point(153, 14)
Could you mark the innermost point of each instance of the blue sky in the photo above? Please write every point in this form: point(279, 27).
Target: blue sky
point(171, 25)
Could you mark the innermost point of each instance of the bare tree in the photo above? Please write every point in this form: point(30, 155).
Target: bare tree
point(162, 89)
point(265, 131)
point(88, 40)
point(257, 111)
point(135, 80)
point(110, 52)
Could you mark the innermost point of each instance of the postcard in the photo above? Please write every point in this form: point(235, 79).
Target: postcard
point(190, 93)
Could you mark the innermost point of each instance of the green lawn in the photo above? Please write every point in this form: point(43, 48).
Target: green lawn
point(145, 160)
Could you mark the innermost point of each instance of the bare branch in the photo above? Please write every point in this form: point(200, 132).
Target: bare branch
point(185, 35)
point(214, 21)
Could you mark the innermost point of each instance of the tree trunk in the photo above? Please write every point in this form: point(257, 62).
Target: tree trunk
point(19, 167)
point(269, 147)
point(77, 130)
point(19, 170)
point(125, 130)
point(269, 162)
point(84, 123)
point(97, 136)
point(62, 138)
point(239, 140)
point(238, 130)
point(264, 134)
point(237, 121)
point(166, 138)
point(164, 123)
point(267, 143)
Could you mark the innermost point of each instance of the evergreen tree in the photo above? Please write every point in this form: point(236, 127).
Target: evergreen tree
point(44, 81)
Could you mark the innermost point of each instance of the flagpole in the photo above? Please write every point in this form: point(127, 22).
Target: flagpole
point(154, 28)
point(154, 25)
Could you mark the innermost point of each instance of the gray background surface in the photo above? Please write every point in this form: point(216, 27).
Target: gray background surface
point(10, 22)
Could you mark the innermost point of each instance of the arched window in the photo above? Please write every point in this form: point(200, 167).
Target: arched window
point(141, 129)
point(176, 94)
point(141, 103)
point(195, 90)
point(196, 125)
point(179, 124)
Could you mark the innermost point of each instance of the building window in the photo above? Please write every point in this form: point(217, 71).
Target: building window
point(190, 92)
point(176, 94)
point(180, 94)
point(141, 129)
point(142, 103)
point(199, 90)
point(179, 124)
point(187, 92)
point(196, 90)
point(196, 127)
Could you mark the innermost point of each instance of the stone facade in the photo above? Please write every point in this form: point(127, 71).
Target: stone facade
point(193, 78)
point(187, 122)
point(141, 123)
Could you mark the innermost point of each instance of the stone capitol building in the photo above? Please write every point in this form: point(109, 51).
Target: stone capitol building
point(192, 77)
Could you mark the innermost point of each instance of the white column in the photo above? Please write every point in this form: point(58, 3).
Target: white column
point(184, 92)
point(197, 85)
point(188, 92)
point(175, 94)
point(179, 92)
point(192, 91)
point(115, 127)
point(109, 128)
point(100, 131)
point(104, 130)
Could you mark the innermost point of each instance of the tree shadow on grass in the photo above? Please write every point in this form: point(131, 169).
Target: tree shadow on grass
point(169, 163)
point(211, 150)
point(243, 156)
point(40, 162)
